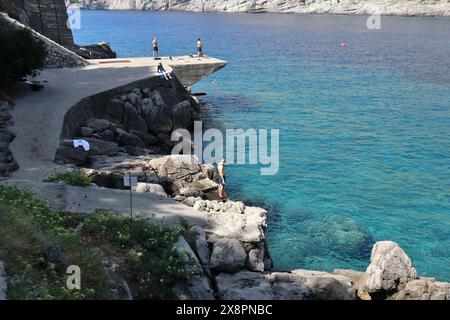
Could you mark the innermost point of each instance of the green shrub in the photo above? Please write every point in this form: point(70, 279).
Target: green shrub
point(37, 246)
point(20, 55)
point(73, 178)
point(151, 263)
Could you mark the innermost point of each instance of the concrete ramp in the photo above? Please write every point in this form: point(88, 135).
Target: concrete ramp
point(65, 198)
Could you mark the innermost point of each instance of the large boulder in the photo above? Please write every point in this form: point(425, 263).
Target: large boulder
point(128, 139)
point(115, 109)
point(70, 155)
point(196, 286)
point(327, 286)
point(99, 147)
point(244, 285)
point(390, 268)
point(255, 259)
point(131, 120)
point(197, 240)
point(176, 167)
point(247, 227)
point(150, 188)
point(156, 113)
point(3, 283)
point(98, 125)
point(182, 115)
point(424, 289)
point(228, 255)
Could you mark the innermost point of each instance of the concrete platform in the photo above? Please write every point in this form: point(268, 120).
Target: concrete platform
point(38, 116)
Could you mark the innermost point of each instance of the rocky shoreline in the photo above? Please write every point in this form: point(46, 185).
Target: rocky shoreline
point(229, 250)
point(351, 7)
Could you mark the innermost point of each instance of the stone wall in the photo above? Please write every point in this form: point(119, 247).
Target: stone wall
point(57, 55)
point(48, 17)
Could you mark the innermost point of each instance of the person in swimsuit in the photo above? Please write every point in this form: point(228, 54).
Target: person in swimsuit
point(221, 178)
point(163, 71)
point(199, 47)
point(155, 48)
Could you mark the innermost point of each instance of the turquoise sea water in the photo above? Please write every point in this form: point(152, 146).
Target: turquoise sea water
point(364, 129)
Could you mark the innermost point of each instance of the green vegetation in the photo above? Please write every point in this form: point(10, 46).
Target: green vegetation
point(37, 245)
point(20, 55)
point(74, 178)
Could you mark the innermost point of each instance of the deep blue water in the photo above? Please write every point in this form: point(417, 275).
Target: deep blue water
point(364, 129)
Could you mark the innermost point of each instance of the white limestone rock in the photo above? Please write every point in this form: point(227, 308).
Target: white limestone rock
point(228, 255)
point(390, 268)
point(424, 289)
point(154, 188)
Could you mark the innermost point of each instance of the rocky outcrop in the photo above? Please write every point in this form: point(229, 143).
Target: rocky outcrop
point(390, 268)
point(197, 285)
point(101, 50)
point(424, 289)
point(3, 283)
point(228, 255)
point(361, 7)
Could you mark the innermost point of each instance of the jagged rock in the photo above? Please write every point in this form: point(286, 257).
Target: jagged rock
point(115, 109)
point(190, 201)
point(205, 185)
point(244, 285)
point(134, 98)
point(98, 125)
point(255, 260)
point(70, 155)
point(390, 268)
point(131, 120)
point(176, 167)
point(87, 132)
point(147, 138)
point(200, 205)
point(327, 286)
point(228, 255)
point(150, 188)
point(209, 170)
point(424, 289)
point(156, 113)
point(3, 283)
point(197, 285)
point(128, 139)
point(197, 240)
point(182, 115)
point(101, 50)
point(248, 227)
point(191, 192)
point(99, 147)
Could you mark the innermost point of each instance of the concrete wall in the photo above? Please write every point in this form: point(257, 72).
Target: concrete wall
point(48, 17)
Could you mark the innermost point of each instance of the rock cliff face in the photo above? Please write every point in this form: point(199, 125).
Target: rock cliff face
point(359, 7)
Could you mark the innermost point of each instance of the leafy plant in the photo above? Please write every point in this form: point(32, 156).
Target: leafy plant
point(73, 178)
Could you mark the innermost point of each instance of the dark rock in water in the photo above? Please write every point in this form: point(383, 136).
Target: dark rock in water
point(100, 50)
point(70, 155)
